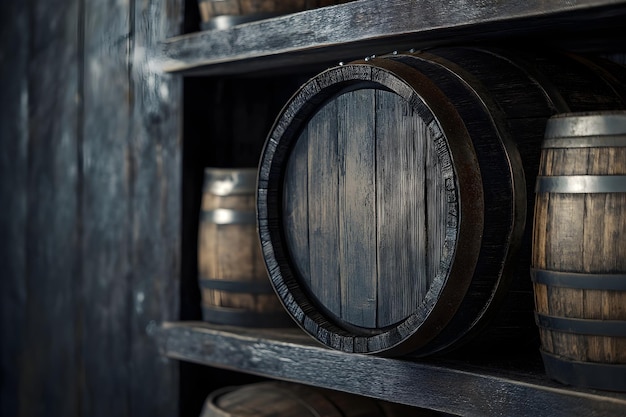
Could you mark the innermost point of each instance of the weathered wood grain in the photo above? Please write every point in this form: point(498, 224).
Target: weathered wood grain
point(296, 206)
point(402, 243)
point(327, 35)
point(323, 203)
point(109, 170)
point(49, 353)
point(70, 344)
point(153, 175)
point(450, 386)
point(278, 398)
point(15, 30)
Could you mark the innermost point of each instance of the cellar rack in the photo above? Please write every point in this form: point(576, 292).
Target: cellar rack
point(315, 39)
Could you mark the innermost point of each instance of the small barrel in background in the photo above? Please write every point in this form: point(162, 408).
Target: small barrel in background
point(579, 249)
point(274, 398)
point(222, 14)
point(233, 280)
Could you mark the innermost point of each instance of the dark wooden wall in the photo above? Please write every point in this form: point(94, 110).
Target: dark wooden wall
point(90, 184)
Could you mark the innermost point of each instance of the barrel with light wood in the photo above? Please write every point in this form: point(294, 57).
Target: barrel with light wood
point(579, 250)
point(221, 14)
point(233, 280)
point(393, 196)
point(269, 399)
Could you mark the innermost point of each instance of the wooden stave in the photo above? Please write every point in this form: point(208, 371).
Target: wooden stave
point(587, 349)
point(554, 103)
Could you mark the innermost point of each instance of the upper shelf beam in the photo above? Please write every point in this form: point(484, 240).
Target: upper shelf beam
point(367, 27)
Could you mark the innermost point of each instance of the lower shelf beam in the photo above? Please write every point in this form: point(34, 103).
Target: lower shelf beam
point(448, 386)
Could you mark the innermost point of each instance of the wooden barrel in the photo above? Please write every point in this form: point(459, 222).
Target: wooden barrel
point(221, 14)
point(579, 249)
point(392, 196)
point(233, 280)
point(267, 399)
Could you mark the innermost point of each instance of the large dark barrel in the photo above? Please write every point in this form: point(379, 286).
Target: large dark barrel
point(269, 399)
point(393, 195)
point(233, 281)
point(579, 249)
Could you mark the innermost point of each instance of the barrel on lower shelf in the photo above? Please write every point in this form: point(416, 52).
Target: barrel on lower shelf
point(222, 14)
point(234, 283)
point(579, 250)
point(393, 195)
point(268, 399)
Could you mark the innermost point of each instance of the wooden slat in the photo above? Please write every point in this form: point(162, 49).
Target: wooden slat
point(296, 206)
point(14, 40)
point(154, 147)
point(357, 207)
point(327, 36)
point(110, 168)
point(401, 212)
point(49, 361)
point(323, 175)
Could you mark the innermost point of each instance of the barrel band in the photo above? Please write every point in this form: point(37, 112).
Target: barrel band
point(247, 287)
point(586, 124)
point(246, 318)
point(616, 141)
point(228, 216)
point(577, 184)
point(224, 181)
point(583, 281)
point(609, 328)
point(606, 376)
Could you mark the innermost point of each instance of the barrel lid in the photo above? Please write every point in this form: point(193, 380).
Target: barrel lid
point(585, 124)
point(370, 206)
point(229, 181)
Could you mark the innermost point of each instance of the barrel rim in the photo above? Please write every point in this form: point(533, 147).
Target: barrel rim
point(583, 124)
point(412, 332)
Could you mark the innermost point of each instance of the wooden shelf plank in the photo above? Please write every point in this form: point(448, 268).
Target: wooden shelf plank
point(365, 27)
point(451, 386)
